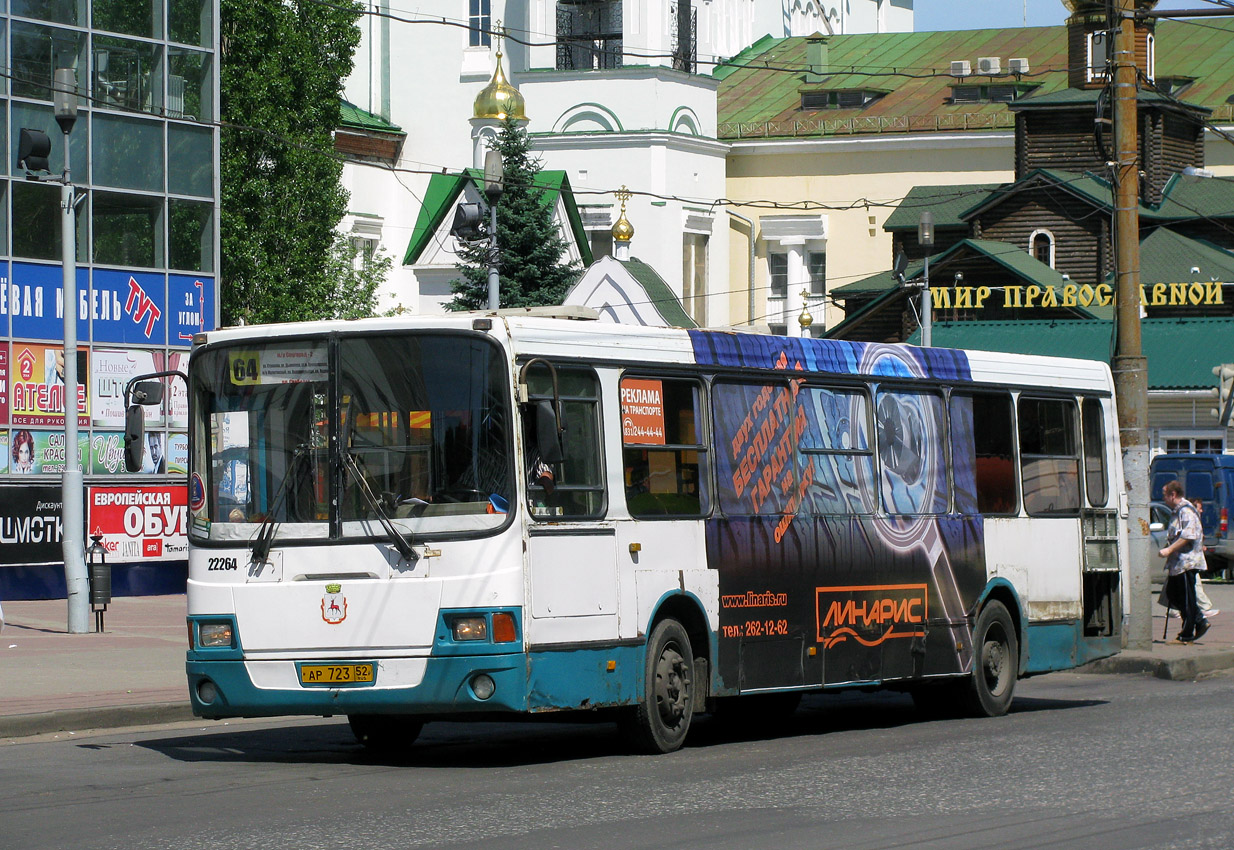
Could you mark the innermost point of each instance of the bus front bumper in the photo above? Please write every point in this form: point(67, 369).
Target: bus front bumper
point(422, 685)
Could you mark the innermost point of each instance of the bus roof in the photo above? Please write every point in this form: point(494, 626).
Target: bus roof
point(596, 341)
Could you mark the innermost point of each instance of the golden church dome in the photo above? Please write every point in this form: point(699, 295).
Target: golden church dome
point(499, 99)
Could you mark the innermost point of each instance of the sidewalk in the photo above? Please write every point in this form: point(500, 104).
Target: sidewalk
point(1169, 660)
point(133, 673)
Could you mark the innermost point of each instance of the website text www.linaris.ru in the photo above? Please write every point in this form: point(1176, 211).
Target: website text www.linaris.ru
point(750, 599)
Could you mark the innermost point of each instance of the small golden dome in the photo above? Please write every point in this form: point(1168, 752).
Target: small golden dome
point(499, 99)
point(623, 231)
point(805, 319)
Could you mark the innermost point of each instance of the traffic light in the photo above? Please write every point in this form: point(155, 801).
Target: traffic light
point(1224, 392)
point(467, 221)
point(33, 148)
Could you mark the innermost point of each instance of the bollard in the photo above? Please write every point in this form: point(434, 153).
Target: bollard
point(100, 580)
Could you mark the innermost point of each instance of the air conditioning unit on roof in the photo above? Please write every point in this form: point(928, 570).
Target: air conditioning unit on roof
point(1017, 66)
point(961, 68)
point(988, 65)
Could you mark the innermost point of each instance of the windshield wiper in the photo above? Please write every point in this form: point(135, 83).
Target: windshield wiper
point(264, 537)
point(396, 537)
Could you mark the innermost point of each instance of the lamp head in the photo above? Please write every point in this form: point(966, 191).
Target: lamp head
point(64, 98)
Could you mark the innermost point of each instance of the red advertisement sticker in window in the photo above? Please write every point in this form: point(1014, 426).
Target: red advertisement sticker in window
point(642, 412)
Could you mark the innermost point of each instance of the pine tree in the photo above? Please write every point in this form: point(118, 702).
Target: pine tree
point(531, 248)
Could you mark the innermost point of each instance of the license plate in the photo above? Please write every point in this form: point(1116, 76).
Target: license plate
point(336, 674)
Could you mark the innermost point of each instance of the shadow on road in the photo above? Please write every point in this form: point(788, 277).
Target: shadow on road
point(548, 740)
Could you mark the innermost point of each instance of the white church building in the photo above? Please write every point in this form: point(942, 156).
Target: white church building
point(616, 93)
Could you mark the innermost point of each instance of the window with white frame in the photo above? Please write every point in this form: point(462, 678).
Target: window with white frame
point(1041, 246)
point(365, 248)
point(479, 19)
point(1098, 54)
point(777, 272)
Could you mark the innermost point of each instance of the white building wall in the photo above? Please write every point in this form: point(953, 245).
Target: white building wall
point(424, 77)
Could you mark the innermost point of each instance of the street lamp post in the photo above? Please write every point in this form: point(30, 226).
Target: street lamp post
point(925, 238)
point(64, 98)
point(493, 187)
point(32, 155)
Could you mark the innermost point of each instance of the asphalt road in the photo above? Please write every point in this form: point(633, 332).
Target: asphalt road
point(1082, 761)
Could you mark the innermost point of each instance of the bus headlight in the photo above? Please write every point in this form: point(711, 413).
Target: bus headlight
point(469, 628)
point(214, 634)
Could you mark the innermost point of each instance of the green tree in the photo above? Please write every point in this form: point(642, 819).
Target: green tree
point(353, 279)
point(529, 243)
point(282, 71)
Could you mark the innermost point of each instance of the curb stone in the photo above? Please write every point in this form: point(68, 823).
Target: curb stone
point(104, 717)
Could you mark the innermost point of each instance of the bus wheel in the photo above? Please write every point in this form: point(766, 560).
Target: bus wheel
point(660, 722)
point(997, 663)
point(386, 733)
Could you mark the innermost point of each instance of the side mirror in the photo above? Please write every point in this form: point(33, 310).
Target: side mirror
point(148, 392)
point(1156, 526)
point(548, 439)
point(134, 437)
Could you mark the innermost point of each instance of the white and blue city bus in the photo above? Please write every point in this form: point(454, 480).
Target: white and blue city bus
point(479, 516)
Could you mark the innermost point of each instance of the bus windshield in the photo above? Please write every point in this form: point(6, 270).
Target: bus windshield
point(415, 427)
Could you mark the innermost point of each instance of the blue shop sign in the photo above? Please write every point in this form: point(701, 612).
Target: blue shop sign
point(191, 302)
point(35, 302)
point(129, 307)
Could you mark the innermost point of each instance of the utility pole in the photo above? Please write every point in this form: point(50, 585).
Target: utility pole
point(1130, 367)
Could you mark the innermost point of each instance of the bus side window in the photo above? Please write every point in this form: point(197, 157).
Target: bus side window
point(911, 430)
point(1095, 477)
point(574, 487)
point(662, 453)
point(833, 438)
point(756, 468)
point(1049, 457)
point(983, 453)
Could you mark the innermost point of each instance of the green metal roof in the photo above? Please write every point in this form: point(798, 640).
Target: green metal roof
point(1168, 257)
point(1185, 198)
point(947, 203)
point(760, 90)
point(354, 117)
point(662, 297)
point(439, 199)
point(1011, 257)
point(444, 189)
point(1181, 352)
point(1190, 197)
point(1019, 262)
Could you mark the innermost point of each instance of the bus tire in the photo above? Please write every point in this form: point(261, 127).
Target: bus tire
point(385, 733)
point(996, 662)
point(659, 723)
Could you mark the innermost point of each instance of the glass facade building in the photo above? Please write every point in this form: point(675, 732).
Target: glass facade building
point(144, 155)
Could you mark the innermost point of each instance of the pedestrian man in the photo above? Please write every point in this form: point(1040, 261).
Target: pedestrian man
point(1184, 558)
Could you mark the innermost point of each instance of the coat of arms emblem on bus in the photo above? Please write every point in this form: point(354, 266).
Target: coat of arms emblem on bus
point(334, 605)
